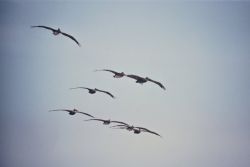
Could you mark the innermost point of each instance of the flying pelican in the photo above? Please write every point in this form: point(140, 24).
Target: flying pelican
point(142, 80)
point(136, 130)
point(105, 121)
point(57, 32)
point(117, 74)
point(93, 91)
point(73, 112)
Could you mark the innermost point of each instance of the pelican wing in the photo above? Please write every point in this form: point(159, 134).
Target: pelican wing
point(105, 92)
point(136, 77)
point(149, 131)
point(114, 72)
point(119, 122)
point(80, 88)
point(154, 133)
point(48, 28)
point(120, 126)
point(85, 114)
point(71, 37)
point(156, 82)
point(95, 119)
point(62, 110)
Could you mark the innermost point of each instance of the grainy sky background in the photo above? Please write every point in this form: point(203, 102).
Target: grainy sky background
point(199, 50)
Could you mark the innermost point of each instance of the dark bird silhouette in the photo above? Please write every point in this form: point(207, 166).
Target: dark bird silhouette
point(57, 32)
point(142, 80)
point(137, 130)
point(117, 74)
point(73, 112)
point(105, 121)
point(93, 91)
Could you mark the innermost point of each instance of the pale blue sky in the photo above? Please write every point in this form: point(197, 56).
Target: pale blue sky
point(199, 50)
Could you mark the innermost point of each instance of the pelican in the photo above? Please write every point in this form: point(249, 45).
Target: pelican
point(142, 80)
point(57, 32)
point(105, 121)
point(117, 74)
point(137, 130)
point(93, 91)
point(73, 112)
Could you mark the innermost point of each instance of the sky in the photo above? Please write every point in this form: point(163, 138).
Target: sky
point(198, 50)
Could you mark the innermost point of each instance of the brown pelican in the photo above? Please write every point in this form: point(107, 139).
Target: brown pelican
point(57, 32)
point(117, 74)
point(73, 112)
point(105, 121)
point(93, 91)
point(142, 80)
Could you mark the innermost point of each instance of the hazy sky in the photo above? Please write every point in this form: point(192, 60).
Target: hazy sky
point(199, 50)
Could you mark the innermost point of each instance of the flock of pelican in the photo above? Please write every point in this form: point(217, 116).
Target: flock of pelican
point(118, 124)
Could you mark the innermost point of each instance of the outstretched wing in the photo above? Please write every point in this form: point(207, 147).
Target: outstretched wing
point(62, 110)
point(86, 114)
point(105, 92)
point(71, 37)
point(154, 133)
point(149, 131)
point(119, 122)
point(80, 88)
point(156, 82)
point(114, 72)
point(136, 77)
point(95, 119)
point(119, 126)
point(48, 28)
